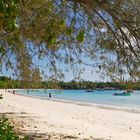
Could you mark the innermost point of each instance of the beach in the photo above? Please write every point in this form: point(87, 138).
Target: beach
point(78, 120)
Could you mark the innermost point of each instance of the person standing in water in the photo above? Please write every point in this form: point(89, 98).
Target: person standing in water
point(50, 95)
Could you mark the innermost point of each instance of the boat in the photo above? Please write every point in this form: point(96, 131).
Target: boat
point(89, 90)
point(122, 94)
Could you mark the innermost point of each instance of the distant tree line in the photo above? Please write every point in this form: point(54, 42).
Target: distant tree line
point(99, 85)
point(7, 83)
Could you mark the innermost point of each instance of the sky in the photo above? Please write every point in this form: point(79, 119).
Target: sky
point(89, 74)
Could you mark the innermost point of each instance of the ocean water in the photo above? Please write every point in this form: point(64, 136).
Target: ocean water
point(99, 97)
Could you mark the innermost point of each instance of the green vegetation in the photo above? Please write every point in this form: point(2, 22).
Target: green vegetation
point(7, 130)
point(99, 85)
point(100, 33)
point(68, 85)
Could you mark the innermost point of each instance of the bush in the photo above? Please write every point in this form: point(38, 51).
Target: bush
point(7, 130)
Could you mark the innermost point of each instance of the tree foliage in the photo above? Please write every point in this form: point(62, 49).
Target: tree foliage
point(97, 33)
point(60, 85)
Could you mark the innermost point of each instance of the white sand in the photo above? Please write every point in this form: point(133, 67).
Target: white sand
point(113, 123)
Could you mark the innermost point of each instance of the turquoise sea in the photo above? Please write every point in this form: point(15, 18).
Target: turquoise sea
point(104, 97)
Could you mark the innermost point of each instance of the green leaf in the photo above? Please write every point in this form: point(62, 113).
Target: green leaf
point(69, 31)
point(80, 36)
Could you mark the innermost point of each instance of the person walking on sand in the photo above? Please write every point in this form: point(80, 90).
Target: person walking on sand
point(50, 95)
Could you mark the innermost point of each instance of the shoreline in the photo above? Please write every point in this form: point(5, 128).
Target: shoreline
point(103, 106)
point(71, 119)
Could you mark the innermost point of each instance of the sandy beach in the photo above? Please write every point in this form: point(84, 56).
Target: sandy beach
point(78, 120)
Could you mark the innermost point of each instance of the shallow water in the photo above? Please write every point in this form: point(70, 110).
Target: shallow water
point(100, 97)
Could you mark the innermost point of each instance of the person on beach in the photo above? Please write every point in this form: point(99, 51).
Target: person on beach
point(13, 91)
point(1, 96)
point(50, 95)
